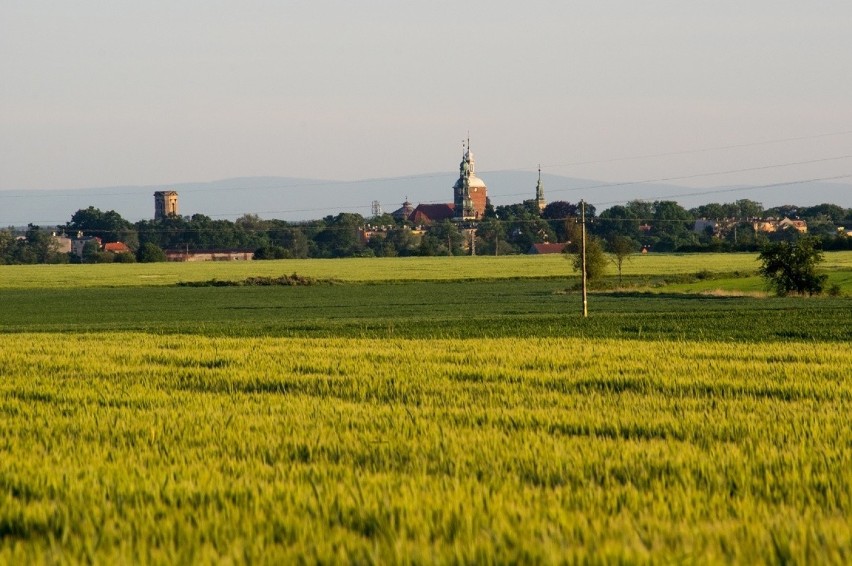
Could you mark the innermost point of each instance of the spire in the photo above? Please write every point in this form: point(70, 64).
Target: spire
point(539, 192)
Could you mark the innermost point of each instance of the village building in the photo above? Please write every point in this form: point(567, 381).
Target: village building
point(117, 248)
point(63, 243)
point(771, 225)
point(79, 244)
point(209, 255)
point(538, 249)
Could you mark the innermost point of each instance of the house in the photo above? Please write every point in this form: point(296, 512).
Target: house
point(702, 224)
point(117, 248)
point(79, 244)
point(63, 243)
point(538, 249)
point(799, 225)
point(770, 225)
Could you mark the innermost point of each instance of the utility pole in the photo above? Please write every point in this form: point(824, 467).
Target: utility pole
point(496, 228)
point(583, 254)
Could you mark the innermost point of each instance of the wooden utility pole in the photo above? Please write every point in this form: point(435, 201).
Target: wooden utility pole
point(583, 254)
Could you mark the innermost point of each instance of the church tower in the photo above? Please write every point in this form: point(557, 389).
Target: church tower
point(469, 193)
point(539, 193)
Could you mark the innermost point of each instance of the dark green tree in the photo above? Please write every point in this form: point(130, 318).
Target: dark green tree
point(150, 252)
point(341, 236)
point(790, 267)
point(491, 238)
point(442, 239)
point(619, 220)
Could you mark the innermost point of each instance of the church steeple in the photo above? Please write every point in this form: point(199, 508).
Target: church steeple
point(469, 192)
point(539, 192)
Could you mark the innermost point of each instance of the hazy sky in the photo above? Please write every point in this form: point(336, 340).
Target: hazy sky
point(128, 92)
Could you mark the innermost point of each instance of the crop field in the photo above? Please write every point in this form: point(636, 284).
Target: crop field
point(377, 269)
point(472, 417)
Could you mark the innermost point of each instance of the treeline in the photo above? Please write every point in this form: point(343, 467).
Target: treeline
point(662, 226)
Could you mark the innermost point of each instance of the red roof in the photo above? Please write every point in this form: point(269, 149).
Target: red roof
point(116, 248)
point(427, 213)
point(547, 248)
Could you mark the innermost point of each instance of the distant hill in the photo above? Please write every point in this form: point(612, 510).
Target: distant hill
point(292, 199)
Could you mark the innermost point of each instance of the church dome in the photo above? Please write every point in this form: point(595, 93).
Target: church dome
point(476, 182)
point(473, 182)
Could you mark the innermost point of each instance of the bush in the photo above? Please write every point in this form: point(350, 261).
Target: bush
point(272, 252)
point(124, 258)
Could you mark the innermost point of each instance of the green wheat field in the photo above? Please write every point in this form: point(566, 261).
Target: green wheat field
point(435, 410)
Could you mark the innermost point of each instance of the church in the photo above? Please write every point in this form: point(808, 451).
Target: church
point(470, 197)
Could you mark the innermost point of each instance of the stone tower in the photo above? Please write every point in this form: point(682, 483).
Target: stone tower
point(165, 204)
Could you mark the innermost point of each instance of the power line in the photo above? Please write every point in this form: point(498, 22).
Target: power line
point(701, 150)
point(750, 188)
point(690, 176)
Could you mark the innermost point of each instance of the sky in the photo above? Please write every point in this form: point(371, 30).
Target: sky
point(710, 93)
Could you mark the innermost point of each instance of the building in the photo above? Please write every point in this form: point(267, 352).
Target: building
point(538, 249)
point(538, 201)
point(770, 225)
point(63, 243)
point(432, 213)
point(165, 204)
point(404, 212)
point(117, 248)
point(78, 245)
point(470, 195)
point(210, 255)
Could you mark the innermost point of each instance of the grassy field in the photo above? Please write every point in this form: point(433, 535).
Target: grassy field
point(649, 266)
point(440, 410)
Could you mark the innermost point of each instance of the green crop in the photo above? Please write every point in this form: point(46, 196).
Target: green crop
point(372, 269)
point(449, 410)
point(136, 447)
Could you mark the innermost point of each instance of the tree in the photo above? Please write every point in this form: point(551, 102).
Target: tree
point(341, 237)
point(491, 237)
point(558, 214)
point(790, 267)
point(595, 259)
point(43, 247)
point(621, 220)
point(442, 239)
point(621, 248)
point(150, 253)
point(672, 226)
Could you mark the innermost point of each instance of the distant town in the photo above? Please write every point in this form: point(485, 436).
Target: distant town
point(469, 225)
